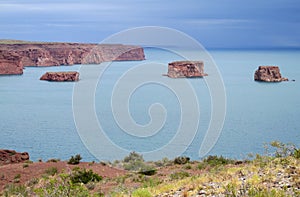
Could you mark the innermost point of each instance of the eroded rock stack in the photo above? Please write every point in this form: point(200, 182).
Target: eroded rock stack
point(11, 156)
point(61, 76)
point(268, 74)
point(181, 69)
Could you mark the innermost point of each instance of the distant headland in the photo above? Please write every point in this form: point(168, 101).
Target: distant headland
point(15, 54)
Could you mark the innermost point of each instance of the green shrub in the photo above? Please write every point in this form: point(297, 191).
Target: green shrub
point(297, 153)
point(141, 193)
point(179, 175)
point(181, 160)
point(25, 165)
point(84, 176)
point(283, 150)
point(52, 160)
point(214, 160)
point(15, 190)
point(61, 186)
point(51, 171)
point(133, 157)
point(135, 162)
point(75, 160)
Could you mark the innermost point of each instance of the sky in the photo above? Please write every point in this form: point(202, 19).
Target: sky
point(214, 23)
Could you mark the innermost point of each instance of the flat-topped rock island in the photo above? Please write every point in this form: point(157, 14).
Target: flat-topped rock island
point(179, 69)
point(268, 74)
point(13, 57)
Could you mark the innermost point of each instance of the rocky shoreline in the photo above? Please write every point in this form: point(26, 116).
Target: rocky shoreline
point(14, 57)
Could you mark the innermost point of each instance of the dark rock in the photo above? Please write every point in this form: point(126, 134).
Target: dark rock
point(180, 69)
point(61, 76)
point(11, 156)
point(268, 74)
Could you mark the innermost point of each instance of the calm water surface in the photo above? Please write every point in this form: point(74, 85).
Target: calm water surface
point(36, 116)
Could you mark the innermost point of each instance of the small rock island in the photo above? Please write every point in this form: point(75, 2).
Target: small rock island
point(61, 76)
point(179, 69)
point(269, 74)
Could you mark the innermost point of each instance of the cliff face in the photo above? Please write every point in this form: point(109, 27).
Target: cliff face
point(61, 76)
point(14, 56)
point(180, 69)
point(268, 74)
point(10, 63)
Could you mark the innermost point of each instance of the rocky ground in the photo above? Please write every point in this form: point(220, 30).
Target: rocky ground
point(214, 176)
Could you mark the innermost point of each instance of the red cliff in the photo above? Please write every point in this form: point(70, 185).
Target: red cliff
point(14, 56)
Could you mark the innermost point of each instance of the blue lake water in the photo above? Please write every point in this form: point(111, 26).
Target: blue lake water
point(37, 117)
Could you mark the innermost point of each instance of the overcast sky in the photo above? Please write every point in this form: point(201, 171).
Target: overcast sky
point(214, 23)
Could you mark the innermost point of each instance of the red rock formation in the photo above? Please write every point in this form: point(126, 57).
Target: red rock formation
point(11, 156)
point(186, 69)
point(61, 76)
point(10, 63)
point(55, 54)
point(268, 74)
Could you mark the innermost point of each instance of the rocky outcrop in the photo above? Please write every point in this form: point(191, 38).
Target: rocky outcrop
point(268, 74)
point(180, 69)
point(14, 56)
point(61, 76)
point(10, 63)
point(11, 156)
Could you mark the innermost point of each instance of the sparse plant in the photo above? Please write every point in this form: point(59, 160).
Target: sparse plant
point(282, 149)
point(61, 185)
point(84, 176)
point(51, 171)
point(25, 165)
point(181, 160)
point(74, 160)
point(17, 178)
point(53, 160)
point(15, 190)
point(179, 175)
point(214, 160)
point(142, 192)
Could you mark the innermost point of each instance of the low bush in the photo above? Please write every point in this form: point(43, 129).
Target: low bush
point(51, 171)
point(84, 176)
point(181, 160)
point(15, 190)
point(75, 160)
point(141, 193)
point(179, 175)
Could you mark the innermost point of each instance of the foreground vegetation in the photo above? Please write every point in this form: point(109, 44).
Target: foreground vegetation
point(277, 173)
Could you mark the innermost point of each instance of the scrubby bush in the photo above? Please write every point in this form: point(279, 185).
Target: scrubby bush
point(179, 175)
point(15, 190)
point(51, 171)
point(214, 160)
point(75, 160)
point(84, 176)
point(61, 186)
point(181, 160)
point(135, 162)
point(52, 160)
point(141, 193)
point(133, 157)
